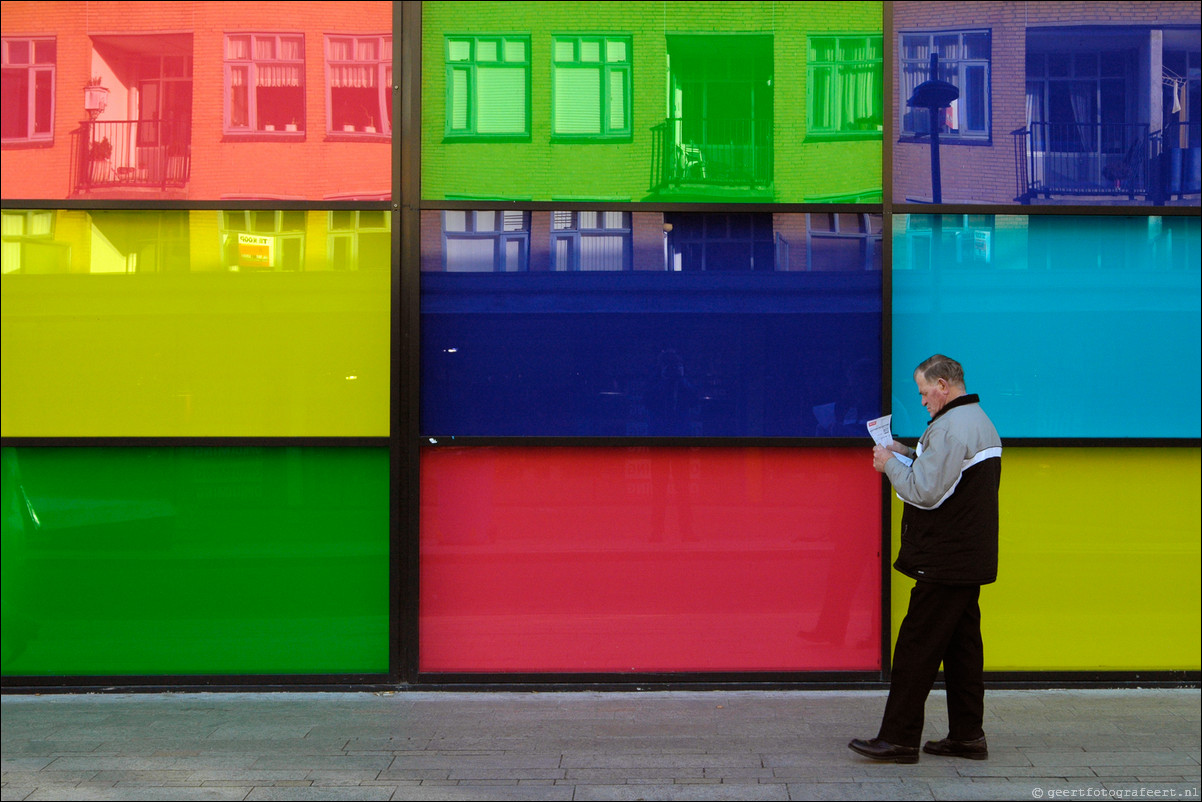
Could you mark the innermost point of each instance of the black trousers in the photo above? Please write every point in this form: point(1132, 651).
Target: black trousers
point(942, 625)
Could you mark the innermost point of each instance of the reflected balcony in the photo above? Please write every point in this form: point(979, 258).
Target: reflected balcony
point(709, 155)
point(1106, 161)
point(131, 154)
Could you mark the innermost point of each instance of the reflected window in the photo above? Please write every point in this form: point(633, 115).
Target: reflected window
point(486, 241)
point(360, 240)
point(950, 239)
point(359, 81)
point(590, 95)
point(28, 89)
point(843, 241)
point(712, 242)
point(845, 85)
point(29, 245)
point(264, 83)
point(488, 79)
point(591, 240)
point(263, 240)
point(965, 61)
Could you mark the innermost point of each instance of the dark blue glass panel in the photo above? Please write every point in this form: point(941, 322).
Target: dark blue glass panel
point(1067, 326)
point(738, 338)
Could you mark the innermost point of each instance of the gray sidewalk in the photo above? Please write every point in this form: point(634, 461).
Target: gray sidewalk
point(735, 745)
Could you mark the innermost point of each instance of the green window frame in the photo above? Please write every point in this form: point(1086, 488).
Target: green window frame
point(488, 87)
point(591, 87)
point(845, 85)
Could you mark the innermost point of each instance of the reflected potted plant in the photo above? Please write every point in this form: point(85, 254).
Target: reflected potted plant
point(99, 151)
point(1117, 171)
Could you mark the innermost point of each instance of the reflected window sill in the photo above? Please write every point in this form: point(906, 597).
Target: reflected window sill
point(26, 144)
point(263, 136)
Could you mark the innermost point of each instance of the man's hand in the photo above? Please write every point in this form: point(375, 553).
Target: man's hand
point(880, 456)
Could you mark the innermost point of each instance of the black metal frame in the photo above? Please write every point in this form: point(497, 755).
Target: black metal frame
point(405, 441)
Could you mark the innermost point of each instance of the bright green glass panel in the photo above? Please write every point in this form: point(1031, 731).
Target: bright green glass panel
point(197, 323)
point(195, 561)
point(1098, 565)
point(699, 102)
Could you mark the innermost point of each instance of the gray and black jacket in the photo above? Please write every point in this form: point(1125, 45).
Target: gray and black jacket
point(950, 524)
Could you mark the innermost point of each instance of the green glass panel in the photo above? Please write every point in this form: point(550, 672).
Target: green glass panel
point(149, 561)
point(699, 102)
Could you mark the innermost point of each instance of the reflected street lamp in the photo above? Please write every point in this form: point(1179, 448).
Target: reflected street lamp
point(934, 95)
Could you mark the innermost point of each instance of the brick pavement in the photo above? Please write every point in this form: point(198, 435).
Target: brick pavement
point(676, 745)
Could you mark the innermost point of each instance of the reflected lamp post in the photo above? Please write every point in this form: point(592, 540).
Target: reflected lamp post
point(934, 95)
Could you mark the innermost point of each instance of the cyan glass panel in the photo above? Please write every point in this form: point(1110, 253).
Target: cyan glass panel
point(195, 561)
point(1066, 326)
point(653, 324)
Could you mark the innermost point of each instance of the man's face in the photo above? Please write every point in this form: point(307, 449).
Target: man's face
point(934, 394)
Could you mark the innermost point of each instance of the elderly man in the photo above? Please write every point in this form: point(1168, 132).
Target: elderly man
point(949, 544)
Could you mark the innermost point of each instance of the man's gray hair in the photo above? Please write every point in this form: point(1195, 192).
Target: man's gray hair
point(942, 367)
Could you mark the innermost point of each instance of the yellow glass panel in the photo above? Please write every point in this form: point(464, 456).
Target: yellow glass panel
point(1099, 566)
point(196, 323)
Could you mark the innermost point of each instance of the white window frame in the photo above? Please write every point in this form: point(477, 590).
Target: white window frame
point(913, 71)
point(253, 66)
point(33, 68)
point(380, 68)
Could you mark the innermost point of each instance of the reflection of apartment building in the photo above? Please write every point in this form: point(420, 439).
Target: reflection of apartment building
point(492, 241)
point(731, 102)
point(197, 100)
point(1058, 101)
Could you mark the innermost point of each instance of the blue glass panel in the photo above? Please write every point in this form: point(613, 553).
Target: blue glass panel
point(689, 325)
point(1067, 326)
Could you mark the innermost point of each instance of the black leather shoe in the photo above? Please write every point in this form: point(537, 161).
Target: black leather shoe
point(883, 750)
point(973, 750)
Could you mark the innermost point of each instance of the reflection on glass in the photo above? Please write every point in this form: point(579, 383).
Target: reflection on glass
point(195, 561)
point(226, 105)
point(258, 322)
point(666, 559)
point(659, 324)
point(676, 102)
point(1053, 317)
point(1101, 113)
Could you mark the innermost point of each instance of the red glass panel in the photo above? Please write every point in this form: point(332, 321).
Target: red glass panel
point(649, 559)
point(235, 102)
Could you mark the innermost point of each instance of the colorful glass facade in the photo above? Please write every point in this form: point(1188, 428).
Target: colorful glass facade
point(548, 353)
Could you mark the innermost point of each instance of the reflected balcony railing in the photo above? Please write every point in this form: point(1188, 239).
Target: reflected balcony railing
point(723, 152)
point(153, 154)
point(1083, 159)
